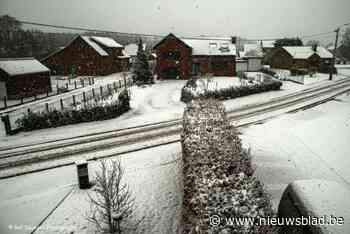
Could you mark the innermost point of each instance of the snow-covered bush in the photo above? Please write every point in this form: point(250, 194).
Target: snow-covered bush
point(218, 175)
point(92, 111)
point(189, 92)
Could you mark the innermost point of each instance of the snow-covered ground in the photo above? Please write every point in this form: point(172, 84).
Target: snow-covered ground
point(311, 144)
point(159, 102)
point(154, 176)
point(54, 101)
point(56, 81)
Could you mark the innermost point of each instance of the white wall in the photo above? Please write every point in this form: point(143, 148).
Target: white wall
point(254, 64)
point(241, 67)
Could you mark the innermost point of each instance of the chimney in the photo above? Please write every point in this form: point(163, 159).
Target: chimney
point(314, 47)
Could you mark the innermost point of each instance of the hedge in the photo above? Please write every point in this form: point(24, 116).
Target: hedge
point(92, 112)
point(218, 174)
point(231, 92)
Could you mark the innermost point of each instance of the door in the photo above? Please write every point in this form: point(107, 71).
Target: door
point(171, 73)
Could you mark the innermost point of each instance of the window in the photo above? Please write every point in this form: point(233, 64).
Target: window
point(173, 55)
point(219, 66)
point(213, 45)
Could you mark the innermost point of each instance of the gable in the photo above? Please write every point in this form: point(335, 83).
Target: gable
point(171, 37)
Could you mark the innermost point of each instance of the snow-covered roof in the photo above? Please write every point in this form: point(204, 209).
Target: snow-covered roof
point(125, 55)
point(323, 52)
point(106, 41)
point(20, 66)
point(268, 43)
point(94, 45)
point(304, 52)
point(211, 47)
point(252, 50)
point(131, 49)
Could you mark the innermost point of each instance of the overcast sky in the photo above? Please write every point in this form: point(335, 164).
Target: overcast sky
point(247, 18)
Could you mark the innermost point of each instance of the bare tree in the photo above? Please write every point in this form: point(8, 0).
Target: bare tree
point(112, 203)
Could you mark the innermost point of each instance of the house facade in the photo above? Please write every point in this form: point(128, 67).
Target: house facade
point(301, 57)
point(250, 59)
point(23, 77)
point(88, 55)
point(182, 58)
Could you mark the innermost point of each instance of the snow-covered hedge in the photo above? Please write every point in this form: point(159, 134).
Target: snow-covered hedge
point(217, 172)
point(190, 91)
point(93, 111)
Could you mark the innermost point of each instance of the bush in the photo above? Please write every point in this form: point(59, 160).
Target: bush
point(93, 112)
point(232, 92)
point(218, 174)
point(268, 71)
point(298, 72)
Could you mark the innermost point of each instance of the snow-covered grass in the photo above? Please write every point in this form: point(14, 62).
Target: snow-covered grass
point(310, 144)
point(154, 176)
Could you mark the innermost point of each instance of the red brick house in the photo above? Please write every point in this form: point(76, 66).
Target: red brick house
point(88, 55)
point(182, 58)
point(23, 77)
point(301, 57)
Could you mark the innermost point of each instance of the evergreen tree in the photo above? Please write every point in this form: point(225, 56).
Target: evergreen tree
point(288, 42)
point(142, 72)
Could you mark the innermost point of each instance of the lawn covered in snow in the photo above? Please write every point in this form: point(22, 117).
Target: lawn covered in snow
point(310, 144)
point(154, 176)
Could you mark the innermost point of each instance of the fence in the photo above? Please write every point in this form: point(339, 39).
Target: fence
point(76, 100)
point(57, 86)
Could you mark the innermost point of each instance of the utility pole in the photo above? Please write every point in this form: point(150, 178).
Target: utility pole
point(334, 53)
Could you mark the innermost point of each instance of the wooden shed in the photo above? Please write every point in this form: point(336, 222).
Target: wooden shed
point(88, 55)
point(23, 77)
point(182, 58)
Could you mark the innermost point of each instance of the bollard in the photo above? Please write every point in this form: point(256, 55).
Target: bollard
point(83, 174)
point(84, 98)
point(61, 102)
point(7, 123)
point(75, 84)
point(5, 101)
